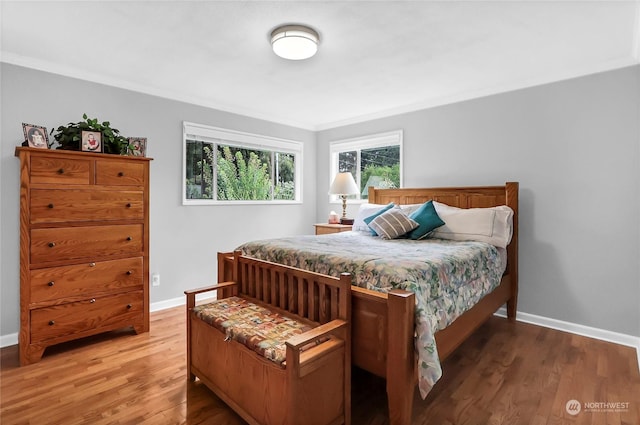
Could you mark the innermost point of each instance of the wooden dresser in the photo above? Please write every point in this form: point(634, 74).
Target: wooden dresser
point(84, 246)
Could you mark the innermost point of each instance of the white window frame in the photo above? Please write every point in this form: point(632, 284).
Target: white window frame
point(378, 140)
point(226, 137)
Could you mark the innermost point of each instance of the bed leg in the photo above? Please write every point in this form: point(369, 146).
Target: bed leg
point(401, 373)
point(512, 306)
point(190, 303)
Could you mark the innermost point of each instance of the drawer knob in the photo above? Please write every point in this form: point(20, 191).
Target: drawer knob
point(129, 238)
point(52, 322)
point(51, 283)
point(128, 205)
point(92, 300)
point(129, 306)
point(120, 174)
point(52, 244)
point(92, 264)
point(50, 205)
point(61, 171)
point(129, 272)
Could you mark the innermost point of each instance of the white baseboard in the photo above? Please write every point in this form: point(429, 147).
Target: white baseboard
point(7, 340)
point(574, 328)
point(163, 305)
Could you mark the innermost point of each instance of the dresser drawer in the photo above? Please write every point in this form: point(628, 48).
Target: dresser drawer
point(120, 173)
point(56, 206)
point(82, 280)
point(56, 170)
point(100, 313)
point(86, 242)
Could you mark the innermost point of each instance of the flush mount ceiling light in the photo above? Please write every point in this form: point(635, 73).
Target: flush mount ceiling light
point(294, 42)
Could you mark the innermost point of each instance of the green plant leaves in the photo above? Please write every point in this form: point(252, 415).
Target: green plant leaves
point(68, 137)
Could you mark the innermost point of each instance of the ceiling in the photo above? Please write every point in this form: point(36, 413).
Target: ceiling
point(375, 58)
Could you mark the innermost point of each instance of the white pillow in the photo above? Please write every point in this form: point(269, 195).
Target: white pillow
point(492, 225)
point(410, 208)
point(366, 210)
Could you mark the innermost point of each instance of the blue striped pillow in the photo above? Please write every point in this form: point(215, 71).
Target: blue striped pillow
point(369, 219)
point(392, 224)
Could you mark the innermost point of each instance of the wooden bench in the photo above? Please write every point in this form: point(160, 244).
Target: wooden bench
point(303, 379)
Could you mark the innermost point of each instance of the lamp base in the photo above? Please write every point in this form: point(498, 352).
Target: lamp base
point(344, 220)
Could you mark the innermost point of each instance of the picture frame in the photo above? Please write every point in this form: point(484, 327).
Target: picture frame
point(91, 141)
point(36, 136)
point(137, 146)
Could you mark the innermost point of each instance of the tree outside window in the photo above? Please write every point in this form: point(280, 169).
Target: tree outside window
point(220, 171)
point(373, 160)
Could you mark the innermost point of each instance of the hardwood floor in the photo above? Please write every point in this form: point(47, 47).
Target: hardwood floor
point(504, 374)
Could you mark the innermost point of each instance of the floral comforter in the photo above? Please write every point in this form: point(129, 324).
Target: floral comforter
point(448, 277)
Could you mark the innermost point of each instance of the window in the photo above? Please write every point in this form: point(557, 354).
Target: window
point(374, 160)
point(225, 167)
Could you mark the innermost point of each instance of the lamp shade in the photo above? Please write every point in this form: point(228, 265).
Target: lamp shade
point(294, 42)
point(343, 184)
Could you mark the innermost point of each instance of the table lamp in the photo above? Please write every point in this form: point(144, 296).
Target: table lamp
point(344, 185)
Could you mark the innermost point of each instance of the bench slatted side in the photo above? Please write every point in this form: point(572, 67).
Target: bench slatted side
point(311, 296)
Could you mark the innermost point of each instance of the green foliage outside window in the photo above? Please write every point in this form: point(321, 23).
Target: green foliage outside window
point(199, 168)
point(285, 188)
point(389, 177)
point(241, 174)
point(379, 167)
point(240, 178)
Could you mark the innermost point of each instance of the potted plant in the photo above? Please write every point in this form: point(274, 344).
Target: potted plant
point(69, 136)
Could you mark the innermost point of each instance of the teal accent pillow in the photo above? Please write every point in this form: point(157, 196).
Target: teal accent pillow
point(369, 219)
point(428, 220)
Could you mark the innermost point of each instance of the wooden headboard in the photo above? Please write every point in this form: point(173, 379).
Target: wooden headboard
point(461, 197)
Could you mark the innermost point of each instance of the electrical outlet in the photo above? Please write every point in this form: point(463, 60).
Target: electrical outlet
point(155, 279)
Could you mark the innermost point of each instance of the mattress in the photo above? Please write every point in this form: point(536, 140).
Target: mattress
point(447, 277)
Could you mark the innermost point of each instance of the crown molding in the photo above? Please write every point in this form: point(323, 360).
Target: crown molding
point(71, 72)
point(470, 95)
point(54, 68)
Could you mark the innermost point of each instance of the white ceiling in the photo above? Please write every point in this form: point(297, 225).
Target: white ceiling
point(375, 59)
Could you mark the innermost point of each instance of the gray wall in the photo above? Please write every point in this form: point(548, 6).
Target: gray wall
point(184, 240)
point(574, 146)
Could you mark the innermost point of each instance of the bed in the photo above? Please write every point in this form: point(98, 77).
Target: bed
point(384, 323)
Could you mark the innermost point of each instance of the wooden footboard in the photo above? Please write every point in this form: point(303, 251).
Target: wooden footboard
point(383, 324)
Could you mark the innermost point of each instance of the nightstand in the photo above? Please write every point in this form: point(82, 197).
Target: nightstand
point(326, 228)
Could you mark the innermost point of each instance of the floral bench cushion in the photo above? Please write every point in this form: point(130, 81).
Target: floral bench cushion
point(256, 327)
